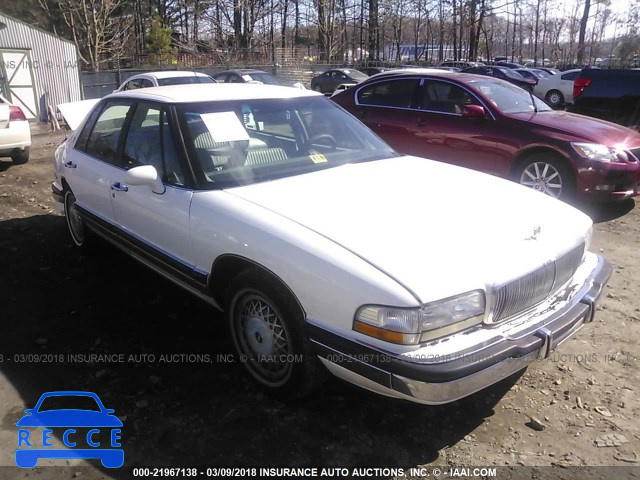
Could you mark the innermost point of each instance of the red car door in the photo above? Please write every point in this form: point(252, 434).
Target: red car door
point(385, 107)
point(439, 130)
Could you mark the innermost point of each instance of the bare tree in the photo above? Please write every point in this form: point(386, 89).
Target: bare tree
point(100, 28)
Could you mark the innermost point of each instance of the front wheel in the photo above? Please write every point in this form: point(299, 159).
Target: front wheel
point(317, 88)
point(267, 328)
point(547, 174)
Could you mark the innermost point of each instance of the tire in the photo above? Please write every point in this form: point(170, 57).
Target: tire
point(81, 236)
point(267, 329)
point(554, 98)
point(547, 173)
point(21, 157)
point(317, 88)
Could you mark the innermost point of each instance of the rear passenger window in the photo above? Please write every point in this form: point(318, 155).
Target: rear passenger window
point(393, 93)
point(150, 142)
point(105, 136)
point(570, 76)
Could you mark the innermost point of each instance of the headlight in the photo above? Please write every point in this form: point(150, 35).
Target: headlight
point(410, 326)
point(595, 151)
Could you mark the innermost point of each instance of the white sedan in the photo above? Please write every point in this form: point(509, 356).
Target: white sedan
point(15, 133)
point(327, 250)
point(557, 90)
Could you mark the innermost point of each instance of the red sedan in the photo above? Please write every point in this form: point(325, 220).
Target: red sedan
point(491, 125)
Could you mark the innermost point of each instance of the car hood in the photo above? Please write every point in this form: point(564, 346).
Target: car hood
point(437, 229)
point(586, 128)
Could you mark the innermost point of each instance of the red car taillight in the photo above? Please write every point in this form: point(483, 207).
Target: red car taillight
point(579, 85)
point(16, 113)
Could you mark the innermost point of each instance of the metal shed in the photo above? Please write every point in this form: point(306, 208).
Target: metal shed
point(36, 68)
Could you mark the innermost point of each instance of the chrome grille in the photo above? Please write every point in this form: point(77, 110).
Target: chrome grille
point(534, 287)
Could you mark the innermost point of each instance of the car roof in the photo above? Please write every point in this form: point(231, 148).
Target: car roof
point(207, 92)
point(168, 74)
point(462, 77)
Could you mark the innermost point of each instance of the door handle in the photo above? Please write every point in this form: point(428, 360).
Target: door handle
point(421, 122)
point(70, 164)
point(119, 187)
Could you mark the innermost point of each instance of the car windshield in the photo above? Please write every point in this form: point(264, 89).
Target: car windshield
point(69, 402)
point(249, 141)
point(264, 78)
point(356, 75)
point(184, 80)
point(509, 98)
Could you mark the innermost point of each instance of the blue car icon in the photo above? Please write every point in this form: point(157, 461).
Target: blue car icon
point(93, 415)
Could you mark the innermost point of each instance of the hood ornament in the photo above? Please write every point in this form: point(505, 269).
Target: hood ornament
point(536, 233)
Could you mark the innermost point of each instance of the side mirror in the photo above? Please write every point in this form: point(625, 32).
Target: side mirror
point(145, 175)
point(109, 411)
point(474, 111)
point(28, 411)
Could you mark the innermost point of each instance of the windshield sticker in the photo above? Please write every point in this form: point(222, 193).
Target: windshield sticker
point(224, 127)
point(318, 158)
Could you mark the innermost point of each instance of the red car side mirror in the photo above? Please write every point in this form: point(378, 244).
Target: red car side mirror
point(473, 111)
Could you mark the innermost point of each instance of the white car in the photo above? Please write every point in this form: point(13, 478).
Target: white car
point(326, 249)
point(164, 78)
point(15, 133)
point(557, 90)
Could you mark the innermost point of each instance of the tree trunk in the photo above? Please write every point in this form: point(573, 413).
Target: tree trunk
point(583, 31)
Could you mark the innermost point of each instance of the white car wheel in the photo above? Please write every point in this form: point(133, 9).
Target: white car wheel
point(266, 327)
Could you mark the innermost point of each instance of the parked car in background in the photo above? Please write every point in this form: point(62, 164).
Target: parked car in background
point(447, 69)
point(508, 64)
point(326, 249)
point(549, 70)
point(15, 132)
point(246, 75)
point(557, 90)
point(460, 64)
point(532, 73)
point(373, 70)
point(504, 73)
point(491, 125)
point(612, 95)
point(164, 78)
point(328, 81)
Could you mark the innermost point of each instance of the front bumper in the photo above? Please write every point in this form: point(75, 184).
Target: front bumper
point(451, 378)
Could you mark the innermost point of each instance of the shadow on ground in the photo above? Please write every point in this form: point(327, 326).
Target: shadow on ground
point(606, 212)
point(186, 411)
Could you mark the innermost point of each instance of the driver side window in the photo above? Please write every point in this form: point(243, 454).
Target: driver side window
point(150, 142)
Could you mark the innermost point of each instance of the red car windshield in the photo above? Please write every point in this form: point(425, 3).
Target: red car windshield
point(508, 98)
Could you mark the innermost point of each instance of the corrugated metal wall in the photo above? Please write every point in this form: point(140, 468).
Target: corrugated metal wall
point(55, 64)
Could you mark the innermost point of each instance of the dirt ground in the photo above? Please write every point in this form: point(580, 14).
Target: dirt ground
point(189, 408)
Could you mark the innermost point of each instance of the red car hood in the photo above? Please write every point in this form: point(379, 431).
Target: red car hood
point(586, 128)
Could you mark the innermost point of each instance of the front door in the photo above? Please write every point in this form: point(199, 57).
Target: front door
point(156, 221)
point(440, 132)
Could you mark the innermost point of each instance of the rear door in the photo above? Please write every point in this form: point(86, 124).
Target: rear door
point(385, 107)
point(94, 161)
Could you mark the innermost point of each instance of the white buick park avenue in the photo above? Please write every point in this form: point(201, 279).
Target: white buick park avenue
point(327, 250)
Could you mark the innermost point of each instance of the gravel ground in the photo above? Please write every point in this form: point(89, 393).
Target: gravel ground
point(181, 404)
